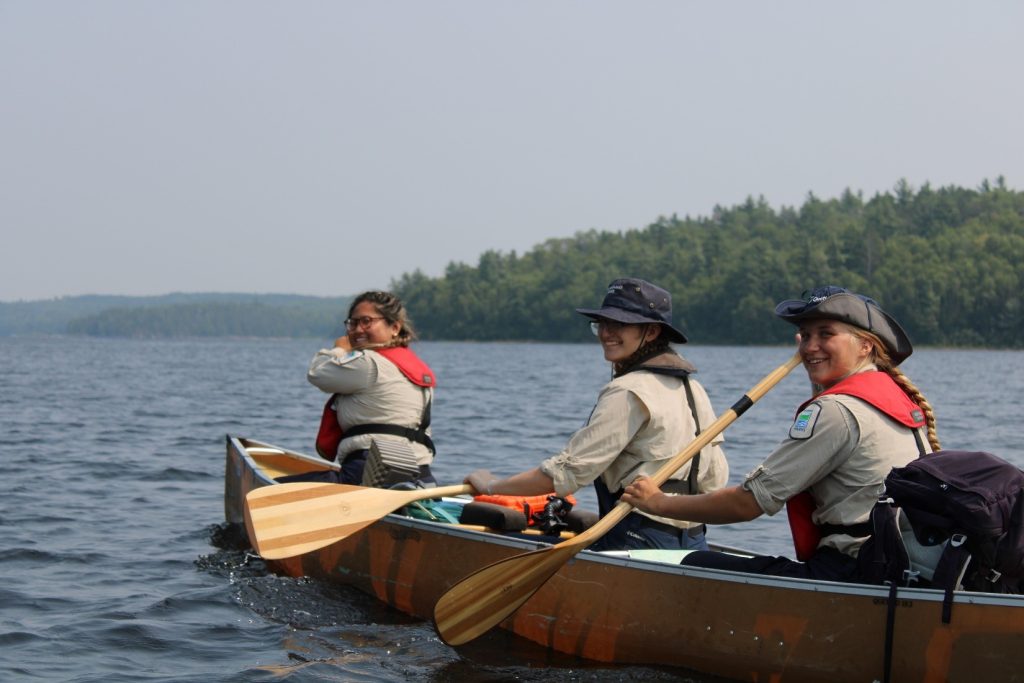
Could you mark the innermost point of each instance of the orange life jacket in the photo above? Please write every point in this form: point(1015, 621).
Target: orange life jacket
point(881, 391)
point(528, 505)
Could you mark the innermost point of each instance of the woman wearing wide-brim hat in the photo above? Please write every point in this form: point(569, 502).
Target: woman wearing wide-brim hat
point(864, 418)
point(650, 410)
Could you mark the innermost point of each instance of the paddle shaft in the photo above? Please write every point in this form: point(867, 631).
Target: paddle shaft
point(483, 599)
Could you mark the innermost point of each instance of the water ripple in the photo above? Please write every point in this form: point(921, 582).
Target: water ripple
point(117, 564)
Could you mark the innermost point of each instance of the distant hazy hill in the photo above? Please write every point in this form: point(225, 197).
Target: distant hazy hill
point(176, 315)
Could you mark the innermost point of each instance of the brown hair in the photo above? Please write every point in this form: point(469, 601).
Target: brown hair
point(391, 307)
point(884, 362)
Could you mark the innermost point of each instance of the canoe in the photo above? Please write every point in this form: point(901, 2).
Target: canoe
point(645, 608)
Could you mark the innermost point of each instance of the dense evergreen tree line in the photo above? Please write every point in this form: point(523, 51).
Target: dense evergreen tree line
point(946, 262)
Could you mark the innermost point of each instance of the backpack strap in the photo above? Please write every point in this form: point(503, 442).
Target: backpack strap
point(920, 442)
point(883, 559)
point(949, 573)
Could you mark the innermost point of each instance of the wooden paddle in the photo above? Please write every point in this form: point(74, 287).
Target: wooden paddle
point(284, 520)
point(483, 599)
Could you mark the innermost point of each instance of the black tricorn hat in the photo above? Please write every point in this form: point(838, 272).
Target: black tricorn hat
point(637, 302)
point(837, 303)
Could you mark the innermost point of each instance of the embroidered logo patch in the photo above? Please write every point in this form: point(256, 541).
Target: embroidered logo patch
point(803, 426)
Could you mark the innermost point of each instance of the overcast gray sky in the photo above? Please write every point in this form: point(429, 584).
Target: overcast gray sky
point(327, 147)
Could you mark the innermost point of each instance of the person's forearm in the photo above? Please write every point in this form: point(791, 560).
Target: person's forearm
point(530, 483)
point(724, 506)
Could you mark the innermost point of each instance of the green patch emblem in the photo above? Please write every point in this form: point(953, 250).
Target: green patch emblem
point(803, 426)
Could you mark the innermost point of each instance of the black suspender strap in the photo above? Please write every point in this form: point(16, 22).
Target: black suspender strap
point(695, 462)
point(676, 485)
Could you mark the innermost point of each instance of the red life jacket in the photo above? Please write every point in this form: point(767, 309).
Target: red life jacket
point(415, 370)
point(881, 391)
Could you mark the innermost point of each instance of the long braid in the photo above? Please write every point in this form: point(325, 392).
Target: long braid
point(917, 397)
point(884, 363)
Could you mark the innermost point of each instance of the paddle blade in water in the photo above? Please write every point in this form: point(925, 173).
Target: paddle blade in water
point(483, 599)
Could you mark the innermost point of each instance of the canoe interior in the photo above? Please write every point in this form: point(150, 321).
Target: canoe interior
point(647, 609)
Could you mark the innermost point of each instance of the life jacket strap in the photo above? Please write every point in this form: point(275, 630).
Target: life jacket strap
point(417, 435)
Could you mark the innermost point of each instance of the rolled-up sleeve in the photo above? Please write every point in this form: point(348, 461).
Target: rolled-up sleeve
point(615, 420)
point(339, 371)
point(796, 464)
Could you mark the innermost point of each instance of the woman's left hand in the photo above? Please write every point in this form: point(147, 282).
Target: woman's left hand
point(642, 494)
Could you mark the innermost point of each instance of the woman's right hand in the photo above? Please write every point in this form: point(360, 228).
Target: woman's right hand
point(642, 494)
point(343, 343)
point(481, 481)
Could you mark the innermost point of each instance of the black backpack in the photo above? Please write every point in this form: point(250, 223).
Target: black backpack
point(971, 504)
point(967, 508)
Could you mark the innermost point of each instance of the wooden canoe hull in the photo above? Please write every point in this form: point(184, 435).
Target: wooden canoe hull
point(623, 610)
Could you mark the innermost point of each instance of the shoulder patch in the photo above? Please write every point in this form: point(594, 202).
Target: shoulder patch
point(349, 357)
point(803, 426)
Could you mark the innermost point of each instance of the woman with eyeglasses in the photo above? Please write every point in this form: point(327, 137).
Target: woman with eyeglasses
point(864, 418)
point(649, 411)
point(380, 389)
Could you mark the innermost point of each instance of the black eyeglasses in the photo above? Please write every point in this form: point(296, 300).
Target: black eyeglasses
point(610, 325)
point(356, 323)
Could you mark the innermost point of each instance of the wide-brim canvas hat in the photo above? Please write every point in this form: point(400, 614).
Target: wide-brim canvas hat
point(637, 302)
point(837, 303)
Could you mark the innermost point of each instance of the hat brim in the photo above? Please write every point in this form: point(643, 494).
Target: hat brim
point(851, 309)
point(618, 315)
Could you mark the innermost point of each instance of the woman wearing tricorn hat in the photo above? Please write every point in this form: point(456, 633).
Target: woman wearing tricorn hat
point(864, 418)
point(647, 413)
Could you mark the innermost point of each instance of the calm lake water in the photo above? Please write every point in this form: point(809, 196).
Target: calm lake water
point(116, 565)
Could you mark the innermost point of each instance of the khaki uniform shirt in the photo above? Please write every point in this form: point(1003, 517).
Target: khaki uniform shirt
point(372, 390)
point(842, 454)
point(641, 420)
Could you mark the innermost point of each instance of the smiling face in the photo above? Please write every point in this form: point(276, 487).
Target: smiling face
point(621, 340)
point(370, 328)
point(830, 351)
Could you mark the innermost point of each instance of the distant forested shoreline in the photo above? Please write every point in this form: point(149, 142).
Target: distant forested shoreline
point(948, 263)
point(179, 315)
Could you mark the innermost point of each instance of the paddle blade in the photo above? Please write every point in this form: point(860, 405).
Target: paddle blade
point(483, 599)
point(285, 520)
